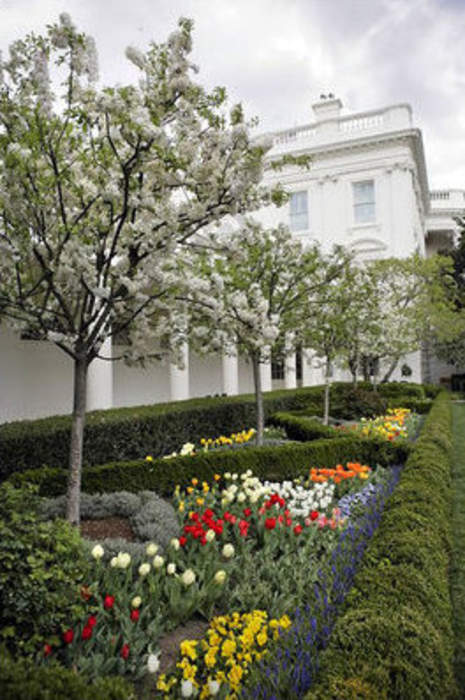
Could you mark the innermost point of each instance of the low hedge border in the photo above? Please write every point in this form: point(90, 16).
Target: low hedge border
point(394, 639)
point(302, 428)
point(22, 679)
point(137, 431)
point(162, 475)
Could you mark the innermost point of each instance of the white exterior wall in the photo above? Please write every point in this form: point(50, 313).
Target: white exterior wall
point(398, 228)
point(205, 375)
point(36, 378)
point(134, 386)
point(382, 145)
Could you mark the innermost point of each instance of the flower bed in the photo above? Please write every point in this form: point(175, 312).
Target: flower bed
point(267, 563)
point(248, 550)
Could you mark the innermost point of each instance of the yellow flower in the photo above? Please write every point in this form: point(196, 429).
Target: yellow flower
point(200, 501)
point(235, 675)
point(188, 648)
point(284, 622)
point(262, 638)
point(205, 487)
point(228, 648)
point(149, 458)
point(210, 657)
point(194, 481)
point(190, 489)
point(217, 477)
point(181, 507)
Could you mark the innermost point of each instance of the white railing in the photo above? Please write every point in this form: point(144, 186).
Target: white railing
point(361, 123)
point(341, 128)
point(292, 135)
point(447, 199)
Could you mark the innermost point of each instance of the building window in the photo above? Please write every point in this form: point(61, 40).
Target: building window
point(277, 367)
point(364, 201)
point(298, 204)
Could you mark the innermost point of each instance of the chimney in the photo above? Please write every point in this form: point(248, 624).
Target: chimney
point(327, 107)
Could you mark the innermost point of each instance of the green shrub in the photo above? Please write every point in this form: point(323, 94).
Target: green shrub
point(355, 402)
point(396, 650)
point(278, 463)
point(42, 566)
point(132, 433)
point(21, 680)
point(395, 636)
point(303, 429)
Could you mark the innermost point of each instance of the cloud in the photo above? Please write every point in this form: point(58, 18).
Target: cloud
point(277, 56)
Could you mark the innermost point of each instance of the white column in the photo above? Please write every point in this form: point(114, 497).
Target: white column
point(265, 374)
point(100, 379)
point(230, 374)
point(179, 377)
point(308, 378)
point(290, 377)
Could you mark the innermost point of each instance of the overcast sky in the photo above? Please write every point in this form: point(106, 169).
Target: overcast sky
point(277, 56)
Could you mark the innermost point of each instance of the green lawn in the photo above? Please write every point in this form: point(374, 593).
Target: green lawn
point(458, 527)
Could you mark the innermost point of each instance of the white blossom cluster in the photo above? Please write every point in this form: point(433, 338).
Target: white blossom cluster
point(302, 500)
point(243, 488)
point(101, 198)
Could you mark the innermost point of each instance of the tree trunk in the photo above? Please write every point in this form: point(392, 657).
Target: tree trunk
point(366, 368)
point(257, 380)
point(391, 369)
point(327, 386)
point(73, 496)
point(353, 366)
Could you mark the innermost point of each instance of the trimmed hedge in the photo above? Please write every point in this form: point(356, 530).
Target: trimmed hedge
point(21, 680)
point(394, 638)
point(134, 432)
point(304, 429)
point(284, 462)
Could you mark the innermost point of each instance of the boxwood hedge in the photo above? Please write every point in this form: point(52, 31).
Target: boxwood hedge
point(161, 475)
point(134, 432)
point(394, 638)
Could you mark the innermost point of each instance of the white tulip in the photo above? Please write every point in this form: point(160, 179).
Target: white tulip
point(97, 552)
point(153, 663)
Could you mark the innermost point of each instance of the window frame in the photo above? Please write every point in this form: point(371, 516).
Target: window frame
point(369, 202)
point(294, 215)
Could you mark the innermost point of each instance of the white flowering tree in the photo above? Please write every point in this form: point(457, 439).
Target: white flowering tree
point(252, 283)
point(325, 316)
point(101, 188)
point(411, 296)
point(394, 307)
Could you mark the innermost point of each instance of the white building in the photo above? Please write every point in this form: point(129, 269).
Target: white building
point(366, 188)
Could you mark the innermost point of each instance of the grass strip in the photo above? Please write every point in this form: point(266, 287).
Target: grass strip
point(457, 573)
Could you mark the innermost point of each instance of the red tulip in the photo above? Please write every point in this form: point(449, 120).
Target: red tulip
point(47, 649)
point(86, 632)
point(92, 621)
point(314, 515)
point(108, 602)
point(135, 615)
point(270, 523)
point(298, 529)
point(68, 636)
point(125, 651)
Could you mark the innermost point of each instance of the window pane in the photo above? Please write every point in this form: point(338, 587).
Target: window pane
point(364, 213)
point(298, 206)
point(364, 192)
point(364, 201)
